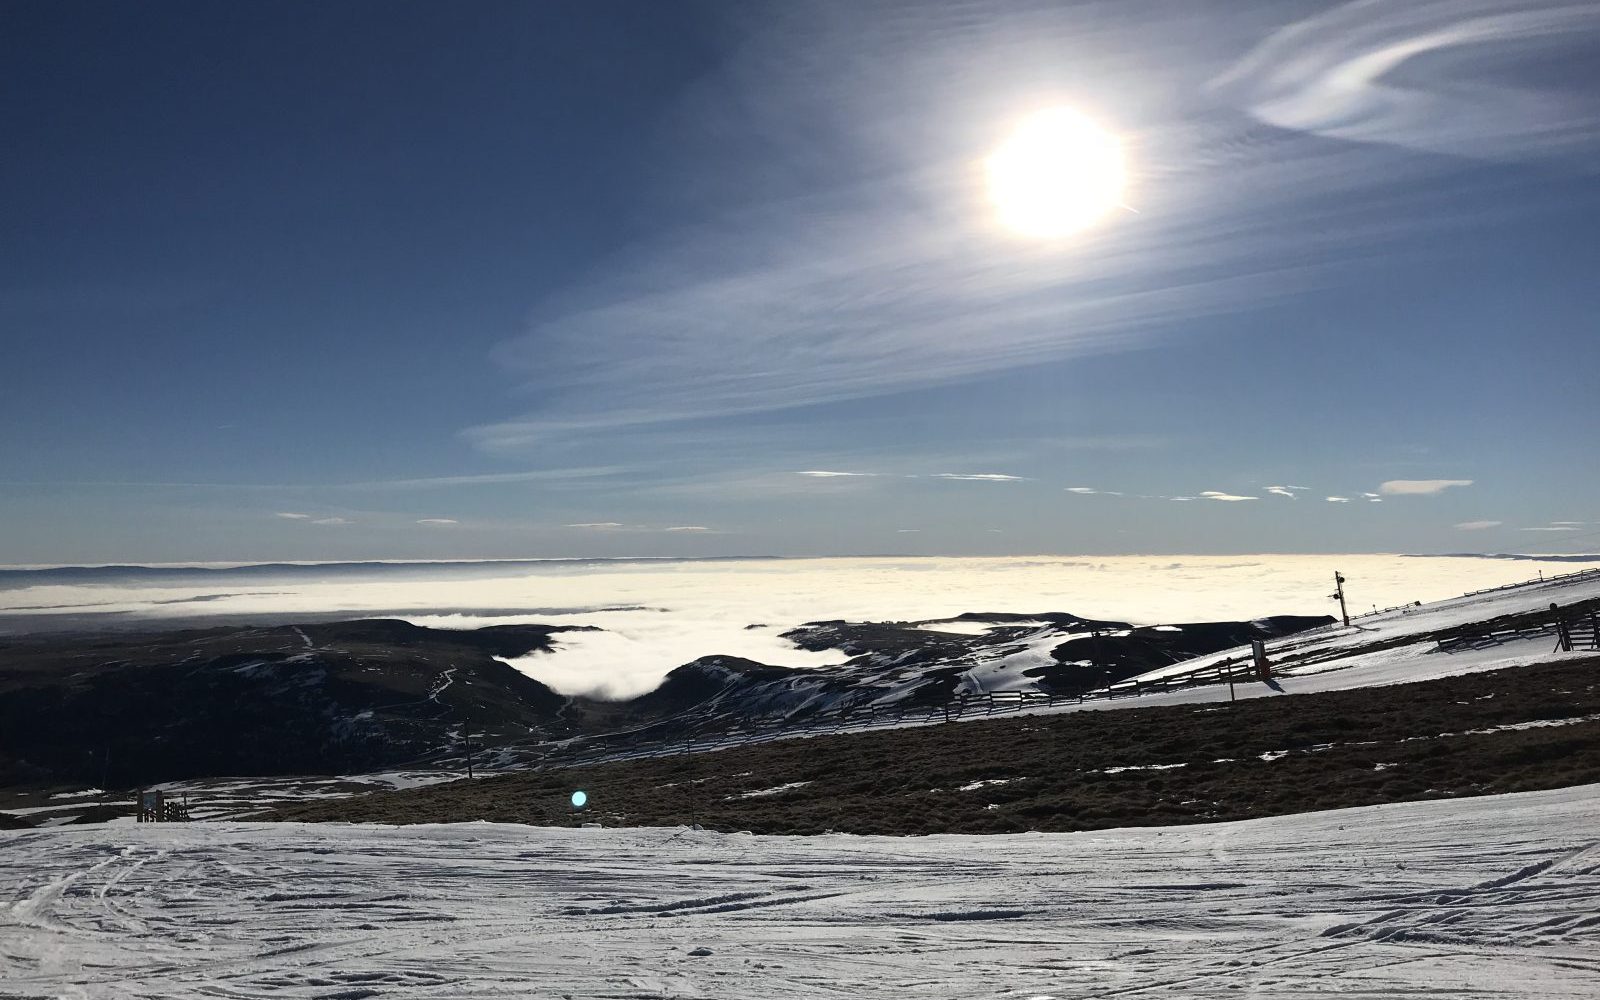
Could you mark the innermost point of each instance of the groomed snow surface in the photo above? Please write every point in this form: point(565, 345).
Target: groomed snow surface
point(1484, 897)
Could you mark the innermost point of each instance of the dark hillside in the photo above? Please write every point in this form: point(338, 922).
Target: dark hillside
point(1516, 729)
point(125, 710)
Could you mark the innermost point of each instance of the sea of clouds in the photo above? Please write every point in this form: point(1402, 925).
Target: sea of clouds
point(658, 614)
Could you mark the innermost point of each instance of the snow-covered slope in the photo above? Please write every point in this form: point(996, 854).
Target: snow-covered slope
point(1399, 643)
point(1485, 897)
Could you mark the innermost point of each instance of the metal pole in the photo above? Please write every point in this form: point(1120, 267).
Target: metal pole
point(466, 733)
point(1338, 583)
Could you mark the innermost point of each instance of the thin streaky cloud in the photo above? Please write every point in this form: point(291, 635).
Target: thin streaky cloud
point(1081, 489)
point(687, 527)
point(491, 478)
point(1226, 497)
point(979, 477)
point(437, 521)
point(1420, 487)
point(292, 515)
point(595, 525)
point(830, 474)
point(895, 283)
point(1555, 528)
point(484, 479)
point(1338, 499)
point(333, 520)
point(1334, 74)
point(1477, 525)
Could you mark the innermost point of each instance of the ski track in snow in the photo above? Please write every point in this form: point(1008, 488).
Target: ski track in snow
point(446, 678)
point(1487, 897)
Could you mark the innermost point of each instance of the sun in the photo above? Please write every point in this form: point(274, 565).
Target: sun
point(1057, 174)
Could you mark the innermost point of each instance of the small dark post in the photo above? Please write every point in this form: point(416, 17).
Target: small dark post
point(689, 783)
point(466, 735)
point(1338, 594)
point(1563, 634)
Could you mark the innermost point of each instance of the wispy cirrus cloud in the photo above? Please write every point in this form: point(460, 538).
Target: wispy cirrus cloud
point(312, 518)
point(622, 526)
point(829, 474)
point(1420, 487)
point(1082, 490)
point(1225, 497)
point(1337, 499)
point(896, 277)
point(1428, 75)
point(544, 476)
point(1477, 525)
point(1285, 491)
point(438, 521)
point(979, 477)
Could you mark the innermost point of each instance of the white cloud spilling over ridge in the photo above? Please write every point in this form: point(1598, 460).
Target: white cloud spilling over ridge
point(660, 615)
point(1428, 75)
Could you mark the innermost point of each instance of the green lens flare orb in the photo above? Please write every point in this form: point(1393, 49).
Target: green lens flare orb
point(579, 799)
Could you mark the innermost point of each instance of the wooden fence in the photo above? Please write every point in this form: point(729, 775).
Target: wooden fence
point(1576, 626)
point(1575, 576)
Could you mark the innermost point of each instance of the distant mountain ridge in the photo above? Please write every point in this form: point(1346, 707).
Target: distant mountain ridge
point(346, 697)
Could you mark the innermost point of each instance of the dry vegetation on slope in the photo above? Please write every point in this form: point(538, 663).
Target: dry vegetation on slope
point(1085, 770)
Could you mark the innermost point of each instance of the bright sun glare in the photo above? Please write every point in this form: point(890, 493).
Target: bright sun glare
point(1056, 175)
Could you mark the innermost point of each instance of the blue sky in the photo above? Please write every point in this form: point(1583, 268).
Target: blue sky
point(363, 280)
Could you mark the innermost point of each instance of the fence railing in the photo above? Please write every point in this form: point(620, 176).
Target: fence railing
point(1561, 578)
point(1577, 626)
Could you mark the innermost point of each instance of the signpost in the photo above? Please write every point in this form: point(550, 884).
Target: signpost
point(1258, 649)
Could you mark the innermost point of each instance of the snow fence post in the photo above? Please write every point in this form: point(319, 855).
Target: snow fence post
point(1563, 634)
